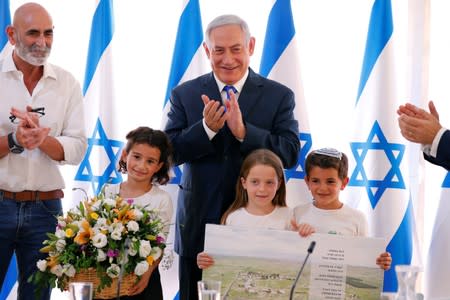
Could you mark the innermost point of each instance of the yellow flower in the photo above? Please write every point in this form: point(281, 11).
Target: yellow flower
point(69, 233)
point(150, 237)
point(45, 249)
point(150, 260)
point(94, 215)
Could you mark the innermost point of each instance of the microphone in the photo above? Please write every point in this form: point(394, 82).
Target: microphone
point(310, 250)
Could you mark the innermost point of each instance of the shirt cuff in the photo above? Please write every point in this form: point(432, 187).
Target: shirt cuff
point(211, 134)
point(431, 150)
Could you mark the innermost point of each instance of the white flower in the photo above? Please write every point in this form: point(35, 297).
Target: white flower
point(110, 202)
point(42, 265)
point(122, 259)
point(69, 270)
point(133, 226)
point(144, 248)
point(99, 240)
point(60, 234)
point(101, 224)
point(101, 255)
point(116, 226)
point(61, 222)
point(141, 268)
point(60, 245)
point(57, 270)
point(156, 253)
point(116, 235)
point(137, 213)
point(132, 252)
point(96, 205)
point(113, 271)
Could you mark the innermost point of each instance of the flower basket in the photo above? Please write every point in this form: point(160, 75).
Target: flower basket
point(90, 275)
point(97, 241)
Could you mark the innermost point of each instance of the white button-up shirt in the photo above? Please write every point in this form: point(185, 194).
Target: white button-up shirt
point(60, 94)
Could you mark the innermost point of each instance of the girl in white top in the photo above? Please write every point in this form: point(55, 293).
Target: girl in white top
point(260, 197)
point(146, 160)
point(326, 175)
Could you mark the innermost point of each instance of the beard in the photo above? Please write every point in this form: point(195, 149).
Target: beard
point(34, 55)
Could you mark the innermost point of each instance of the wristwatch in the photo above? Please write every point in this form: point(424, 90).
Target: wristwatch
point(13, 147)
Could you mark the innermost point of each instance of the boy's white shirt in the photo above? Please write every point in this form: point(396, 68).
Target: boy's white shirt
point(343, 221)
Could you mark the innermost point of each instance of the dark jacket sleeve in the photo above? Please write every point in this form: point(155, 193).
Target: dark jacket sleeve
point(443, 152)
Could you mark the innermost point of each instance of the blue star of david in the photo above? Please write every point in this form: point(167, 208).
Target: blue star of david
point(298, 171)
point(394, 153)
point(446, 183)
point(112, 148)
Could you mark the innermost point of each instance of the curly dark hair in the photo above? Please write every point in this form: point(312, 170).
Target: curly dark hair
point(153, 138)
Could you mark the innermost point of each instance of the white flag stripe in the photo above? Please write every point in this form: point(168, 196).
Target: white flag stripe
point(287, 71)
point(437, 268)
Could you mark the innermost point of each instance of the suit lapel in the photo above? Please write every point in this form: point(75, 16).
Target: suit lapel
point(210, 88)
point(251, 93)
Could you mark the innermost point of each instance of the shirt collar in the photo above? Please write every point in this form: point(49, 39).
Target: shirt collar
point(238, 85)
point(9, 66)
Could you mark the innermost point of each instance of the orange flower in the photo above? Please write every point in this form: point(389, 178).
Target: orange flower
point(150, 260)
point(52, 261)
point(84, 236)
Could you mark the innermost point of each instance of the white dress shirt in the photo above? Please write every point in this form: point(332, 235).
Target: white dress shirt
point(60, 94)
point(431, 150)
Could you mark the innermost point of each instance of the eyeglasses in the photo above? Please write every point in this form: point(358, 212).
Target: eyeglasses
point(40, 111)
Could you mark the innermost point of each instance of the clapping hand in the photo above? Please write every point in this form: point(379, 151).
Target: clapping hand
point(213, 113)
point(234, 117)
point(29, 134)
point(418, 125)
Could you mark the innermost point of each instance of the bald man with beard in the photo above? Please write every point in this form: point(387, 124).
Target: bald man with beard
point(41, 127)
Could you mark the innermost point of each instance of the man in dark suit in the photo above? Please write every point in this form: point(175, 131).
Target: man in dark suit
point(420, 126)
point(212, 131)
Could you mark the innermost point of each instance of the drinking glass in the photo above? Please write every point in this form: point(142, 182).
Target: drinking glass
point(209, 290)
point(406, 277)
point(80, 290)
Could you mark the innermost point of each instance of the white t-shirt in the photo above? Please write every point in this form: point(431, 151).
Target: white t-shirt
point(344, 221)
point(155, 199)
point(277, 219)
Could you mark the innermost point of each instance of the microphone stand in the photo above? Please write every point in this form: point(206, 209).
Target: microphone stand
point(310, 250)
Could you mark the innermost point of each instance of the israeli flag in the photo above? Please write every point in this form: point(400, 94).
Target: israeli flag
point(5, 20)
point(379, 183)
point(280, 61)
point(9, 286)
point(99, 165)
point(438, 255)
point(188, 62)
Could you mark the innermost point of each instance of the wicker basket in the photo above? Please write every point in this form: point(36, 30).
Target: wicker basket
point(108, 292)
